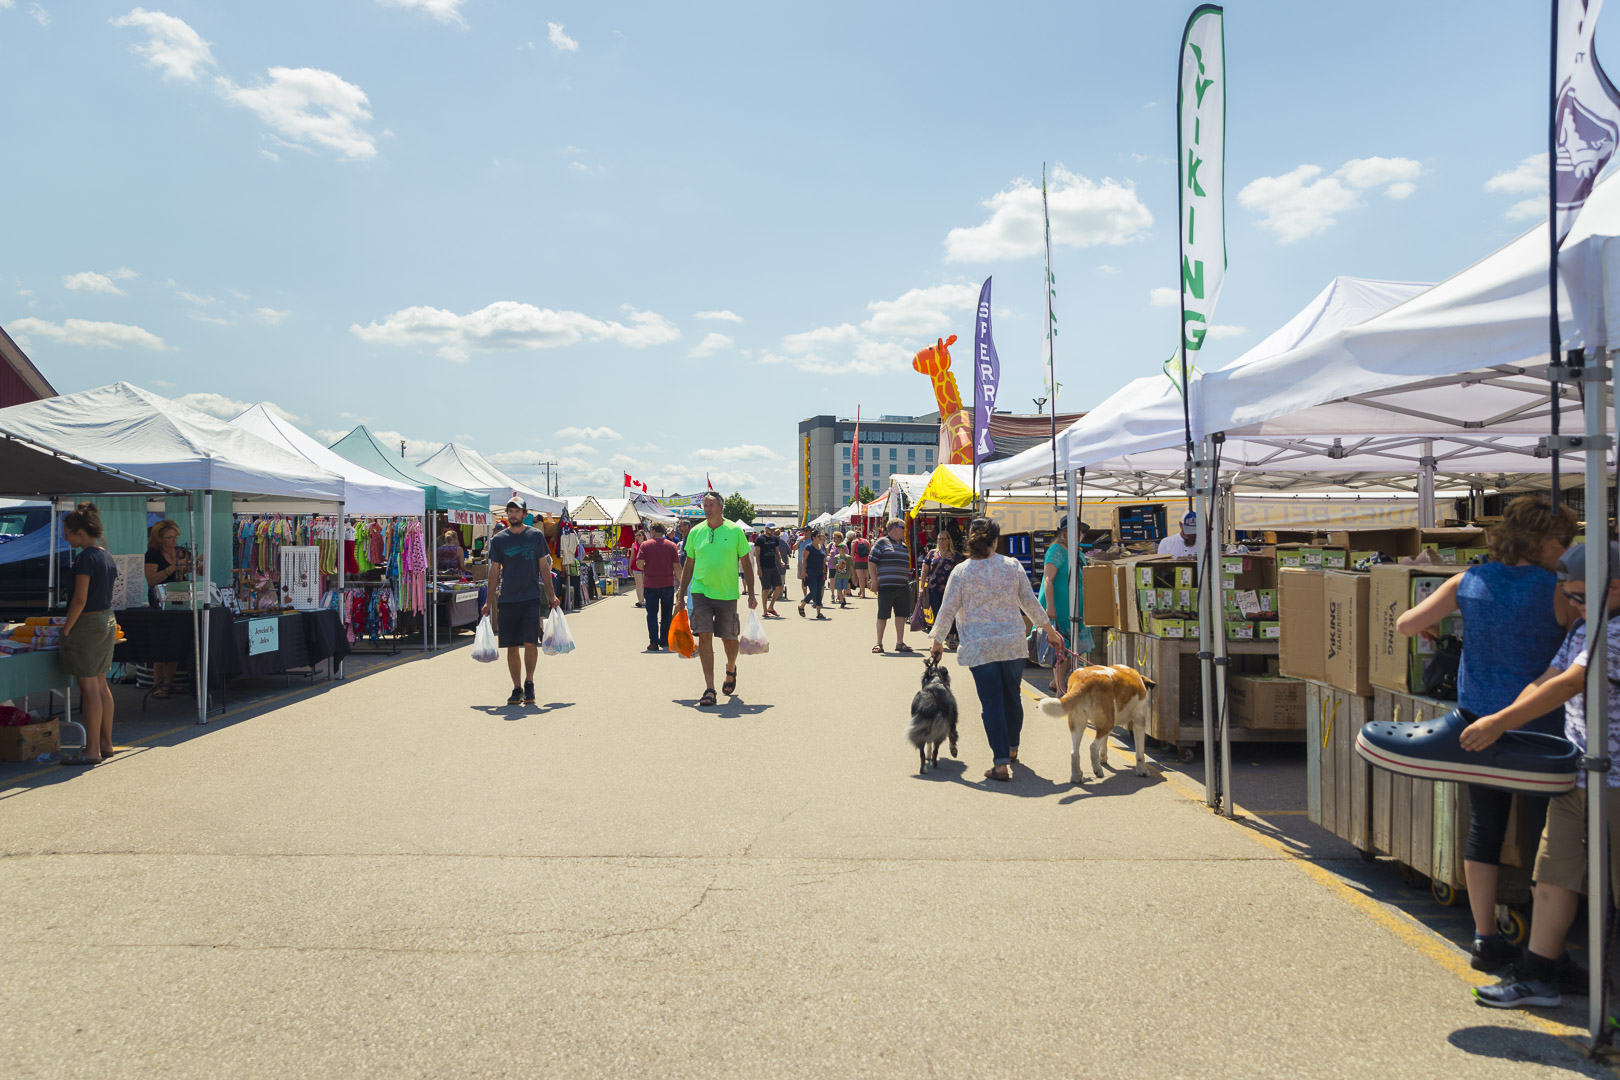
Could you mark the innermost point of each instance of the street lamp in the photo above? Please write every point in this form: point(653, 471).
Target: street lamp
point(1040, 404)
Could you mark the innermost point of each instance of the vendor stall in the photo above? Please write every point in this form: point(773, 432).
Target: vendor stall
point(222, 466)
point(415, 574)
point(465, 468)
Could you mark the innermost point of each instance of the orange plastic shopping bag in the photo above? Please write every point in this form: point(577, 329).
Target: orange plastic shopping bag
point(680, 634)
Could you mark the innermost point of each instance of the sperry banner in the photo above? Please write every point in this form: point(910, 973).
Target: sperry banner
point(1585, 123)
point(986, 376)
point(1201, 165)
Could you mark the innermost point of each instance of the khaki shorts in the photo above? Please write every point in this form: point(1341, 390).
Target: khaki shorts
point(711, 616)
point(1561, 856)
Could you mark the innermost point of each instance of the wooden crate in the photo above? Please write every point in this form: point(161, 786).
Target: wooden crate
point(1177, 704)
point(1338, 782)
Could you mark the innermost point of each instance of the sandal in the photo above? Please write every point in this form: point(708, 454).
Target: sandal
point(903, 647)
point(801, 611)
point(822, 617)
point(878, 649)
point(708, 698)
point(729, 687)
point(995, 774)
point(79, 759)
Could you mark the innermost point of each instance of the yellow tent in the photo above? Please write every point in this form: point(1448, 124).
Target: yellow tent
point(949, 486)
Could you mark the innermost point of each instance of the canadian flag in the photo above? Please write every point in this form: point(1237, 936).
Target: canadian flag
point(632, 482)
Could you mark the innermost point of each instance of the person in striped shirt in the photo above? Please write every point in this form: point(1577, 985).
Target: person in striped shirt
point(891, 567)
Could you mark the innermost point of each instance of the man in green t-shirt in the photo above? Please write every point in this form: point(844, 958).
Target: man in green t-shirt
point(715, 551)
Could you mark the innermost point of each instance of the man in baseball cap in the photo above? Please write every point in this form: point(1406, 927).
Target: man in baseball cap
point(520, 595)
point(1185, 544)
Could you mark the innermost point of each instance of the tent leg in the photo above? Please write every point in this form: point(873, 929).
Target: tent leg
point(342, 574)
point(426, 520)
point(50, 573)
point(1206, 655)
point(1426, 486)
point(1073, 509)
point(206, 552)
point(1217, 604)
point(1597, 694)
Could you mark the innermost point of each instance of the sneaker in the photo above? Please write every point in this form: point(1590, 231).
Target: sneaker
point(1519, 994)
point(652, 646)
point(517, 696)
point(528, 693)
point(1572, 977)
point(1492, 953)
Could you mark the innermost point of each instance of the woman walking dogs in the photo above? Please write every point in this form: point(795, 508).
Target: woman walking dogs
point(715, 551)
point(987, 598)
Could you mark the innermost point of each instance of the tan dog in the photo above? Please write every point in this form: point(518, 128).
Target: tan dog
point(1103, 698)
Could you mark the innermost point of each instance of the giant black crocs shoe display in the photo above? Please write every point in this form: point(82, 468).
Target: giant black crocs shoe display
point(1431, 750)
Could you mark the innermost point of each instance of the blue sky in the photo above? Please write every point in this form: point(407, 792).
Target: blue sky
point(652, 237)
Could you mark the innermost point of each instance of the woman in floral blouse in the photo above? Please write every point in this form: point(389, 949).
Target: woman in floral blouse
point(936, 571)
point(987, 598)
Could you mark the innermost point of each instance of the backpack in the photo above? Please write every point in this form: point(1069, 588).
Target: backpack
point(861, 550)
point(1440, 669)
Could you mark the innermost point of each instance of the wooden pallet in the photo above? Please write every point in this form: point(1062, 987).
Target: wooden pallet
point(1172, 663)
point(1338, 782)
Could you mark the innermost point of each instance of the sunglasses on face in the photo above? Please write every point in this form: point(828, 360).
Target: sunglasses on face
point(1578, 599)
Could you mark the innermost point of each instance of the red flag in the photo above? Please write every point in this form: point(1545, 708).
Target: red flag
point(856, 453)
point(628, 482)
point(706, 480)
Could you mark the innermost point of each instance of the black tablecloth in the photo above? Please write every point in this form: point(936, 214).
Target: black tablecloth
point(154, 635)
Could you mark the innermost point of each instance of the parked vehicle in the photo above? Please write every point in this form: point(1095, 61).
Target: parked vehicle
point(24, 565)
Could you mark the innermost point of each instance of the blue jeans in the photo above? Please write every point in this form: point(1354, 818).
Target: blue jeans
point(660, 609)
point(1000, 684)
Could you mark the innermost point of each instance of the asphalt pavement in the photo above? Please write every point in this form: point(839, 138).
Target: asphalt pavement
point(397, 875)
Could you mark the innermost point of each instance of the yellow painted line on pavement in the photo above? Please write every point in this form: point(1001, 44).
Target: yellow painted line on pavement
point(1403, 926)
point(246, 707)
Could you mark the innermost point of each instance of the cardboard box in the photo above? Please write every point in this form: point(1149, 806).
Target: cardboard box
point(1335, 559)
point(1302, 607)
point(1268, 630)
point(1274, 704)
point(1346, 598)
point(29, 741)
point(1397, 542)
point(1128, 608)
point(1097, 595)
point(1290, 557)
point(1168, 628)
point(1389, 653)
point(1239, 630)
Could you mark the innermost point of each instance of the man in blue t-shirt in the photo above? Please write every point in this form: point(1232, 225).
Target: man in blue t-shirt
point(520, 595)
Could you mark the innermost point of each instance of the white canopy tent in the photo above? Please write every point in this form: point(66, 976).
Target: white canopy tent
point(137, 431)
point(466, 468)
point(364, 492)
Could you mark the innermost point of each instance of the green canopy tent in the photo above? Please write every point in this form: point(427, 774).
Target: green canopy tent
point(361, 447)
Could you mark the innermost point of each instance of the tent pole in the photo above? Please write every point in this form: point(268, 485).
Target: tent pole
point(208, 551)
point(50, 574)
point(342, 561)
point(1073, 508)
point(430, 545)
point(1596, 379)
point(1217, 606)
point(1206, 655)
point(427, 518)
point(1426, 486)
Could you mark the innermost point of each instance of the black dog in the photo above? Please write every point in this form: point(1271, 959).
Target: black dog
point(933, 715)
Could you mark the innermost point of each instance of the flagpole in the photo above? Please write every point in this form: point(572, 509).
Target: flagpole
point(1051, 334)
point(1555, 348)
point(1181, 289)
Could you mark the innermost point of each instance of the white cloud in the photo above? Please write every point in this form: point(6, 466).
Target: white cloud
point(920, 311)
point(90, 281)
point(124, 273)
point(308, 105)
point(856, 353)
point(194, 298)
point(40, 15)
point(588, 433)
point(579, 450)
point(270, 316)
point(94, 335)
point(560, 39)
point(239, 294)
point(1083, 214)
point(228, 408)
point(717, 316)
point(446, 11)
point(1164, 296)
point(1218, 331)
point(507, 325)
point(710, 345)
point(645, 448)
point(580, 166)
point(1528, 177)
point(1303, 203)
point(270, 155)
point(747, 452)
point(1104, 268)
point(171, 44)
point(1527, 209)
point(197, 316)
point(415, 449)
point(304, 106)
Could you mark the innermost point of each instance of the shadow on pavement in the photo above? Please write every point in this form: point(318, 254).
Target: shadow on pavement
point(731, 709)
point(518, 712)
point(1516, 1044)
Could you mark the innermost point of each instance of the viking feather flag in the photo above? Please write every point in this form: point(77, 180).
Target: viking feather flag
point(987, 368)
point(1585, 125)
point(1201, 165)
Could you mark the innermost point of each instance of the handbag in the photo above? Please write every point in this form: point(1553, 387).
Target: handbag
point(919, 611)
point(1441, 668)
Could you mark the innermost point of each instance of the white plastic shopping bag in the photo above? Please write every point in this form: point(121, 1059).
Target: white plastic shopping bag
point(753, 640)
point(556, 638)
point(484, 650)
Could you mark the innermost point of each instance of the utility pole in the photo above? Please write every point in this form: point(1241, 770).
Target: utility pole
point(402, 448)
point(548, 465)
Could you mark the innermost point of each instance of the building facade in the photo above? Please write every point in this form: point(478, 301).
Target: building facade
point(20, 380)
point(889, 445)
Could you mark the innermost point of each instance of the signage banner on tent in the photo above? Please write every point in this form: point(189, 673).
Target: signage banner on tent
point(1201, 168)
point(987, 369)
point(1249, 513)
point(467, 517)
point(1585, 121)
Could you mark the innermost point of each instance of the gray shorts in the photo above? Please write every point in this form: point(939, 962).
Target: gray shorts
point(719, 617)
